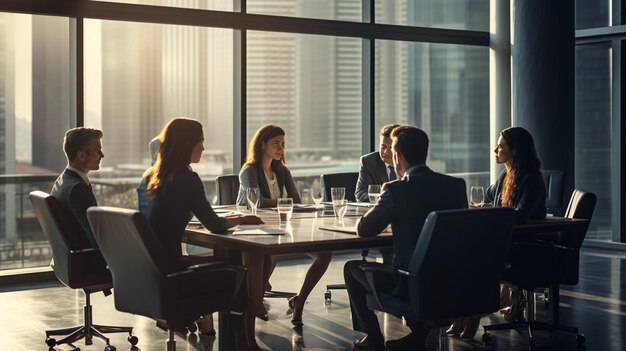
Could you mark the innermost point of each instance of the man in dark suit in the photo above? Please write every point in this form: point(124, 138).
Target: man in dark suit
point(83, 150)
point(404, 203)
point(377, 166)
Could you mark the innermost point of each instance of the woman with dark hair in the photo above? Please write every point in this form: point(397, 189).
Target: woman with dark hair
point(522, 187)
point(265, 169)
point(171, 193)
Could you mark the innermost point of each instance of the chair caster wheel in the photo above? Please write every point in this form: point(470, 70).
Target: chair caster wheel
point(51, 342)
point(133, 340)
point(327, 296)
point(109, 348)
point(486, 338)
point(192, 328)
point(580, 338)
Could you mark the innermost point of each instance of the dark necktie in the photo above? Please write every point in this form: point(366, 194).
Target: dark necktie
point(392, 173)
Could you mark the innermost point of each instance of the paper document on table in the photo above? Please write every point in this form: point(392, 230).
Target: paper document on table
point(258, 230)
point(347, 230)
point(340, 229)
point(360, 204)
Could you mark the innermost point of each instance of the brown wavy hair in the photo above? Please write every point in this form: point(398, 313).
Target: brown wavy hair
point(178, 138)
point(255, 151)
point(524, 161)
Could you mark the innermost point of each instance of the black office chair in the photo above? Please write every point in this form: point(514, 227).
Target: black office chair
point(227, 188)
point(455, 268)
point(552, 264)
point(346, 180)
point(148, 283)
point(554, 180)
point(77, 266)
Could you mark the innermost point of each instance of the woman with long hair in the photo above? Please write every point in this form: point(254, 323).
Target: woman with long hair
point(171, 193)
point(265, 169)
point(522, 187)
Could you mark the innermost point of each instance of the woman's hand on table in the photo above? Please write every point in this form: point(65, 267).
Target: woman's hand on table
point(237, 219)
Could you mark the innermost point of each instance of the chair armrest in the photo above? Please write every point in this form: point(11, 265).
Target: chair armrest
point(89, 249)
point(206, 267)
point(373, 269)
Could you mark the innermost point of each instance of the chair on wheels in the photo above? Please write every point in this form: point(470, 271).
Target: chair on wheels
point(346, 180)
point(552, 264)
point(227, 188)
point(454, 271)
point(554, 191)
point(148, 283)
point(76, 265)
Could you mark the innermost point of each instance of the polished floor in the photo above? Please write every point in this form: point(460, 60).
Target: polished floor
point(597, 305)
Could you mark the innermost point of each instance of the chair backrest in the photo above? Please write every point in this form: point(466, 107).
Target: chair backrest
point(62, 231)
point(581, 205)
point(555, 180)
point(335, 180)
point(458, 260)
point(137, 261)
point(227, 187)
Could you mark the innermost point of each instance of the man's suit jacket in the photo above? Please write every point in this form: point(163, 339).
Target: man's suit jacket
point(405, 203)
point(71, 190)
point(372, 171)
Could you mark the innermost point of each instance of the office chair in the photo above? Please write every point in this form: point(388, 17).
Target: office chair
point(227, 188)
point(555, 181)
point(552, 264)
point(454, 271)
point(346, 180)
point(76, 265)
point(148, 283)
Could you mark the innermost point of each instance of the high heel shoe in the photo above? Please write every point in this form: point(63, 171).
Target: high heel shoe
point(292, 304)
point(471, 326)
point(202, 329)
point(456, 328)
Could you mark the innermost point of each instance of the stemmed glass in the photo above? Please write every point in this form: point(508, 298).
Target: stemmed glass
point(373, 192)
point(253, 196)
point(477, 196)
point(317, 193)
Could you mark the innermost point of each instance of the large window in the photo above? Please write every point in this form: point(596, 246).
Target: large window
point(34, 115)
point(344, 10)
point(443, 89)
point(310, 86)
point(450, 14)
point(593, 13)
point(139, 76)
point(593, 132)
point(129, 66)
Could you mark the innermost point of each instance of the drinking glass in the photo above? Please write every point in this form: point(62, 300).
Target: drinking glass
point(340, 207)
point(477, 196)
point(337, 193)
point(253, 195)
point(285, 208)
point(373, 192)
point(317, 193)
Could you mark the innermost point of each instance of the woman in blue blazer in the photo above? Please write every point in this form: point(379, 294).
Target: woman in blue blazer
point(520, 186)
point(171, 193)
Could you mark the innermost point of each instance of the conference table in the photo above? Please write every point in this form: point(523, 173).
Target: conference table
point(317, 231)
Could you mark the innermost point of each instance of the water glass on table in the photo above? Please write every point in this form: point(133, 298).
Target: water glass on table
point(254, 196)
point(285, 209)
point(373, 193)
point(337, 193)
point(477, 196)
point(340, 207)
